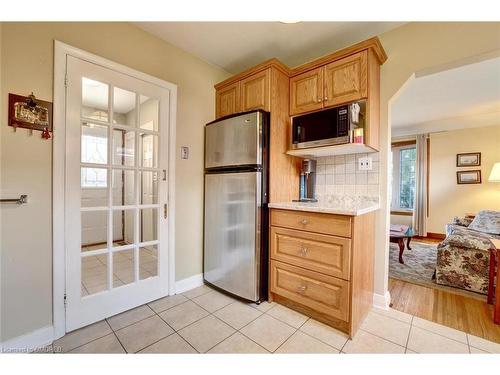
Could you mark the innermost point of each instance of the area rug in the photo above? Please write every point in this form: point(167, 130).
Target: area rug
point(420, 263)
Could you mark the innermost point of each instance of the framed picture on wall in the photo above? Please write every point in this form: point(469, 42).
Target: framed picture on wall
point(470, 159)
point(469, 177)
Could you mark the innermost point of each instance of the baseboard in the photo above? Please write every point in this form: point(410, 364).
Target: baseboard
point(382, 301)
point(188, 283)
point(437, 236)
point(29, 342)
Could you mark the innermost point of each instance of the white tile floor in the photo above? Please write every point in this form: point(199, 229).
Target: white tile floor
point(94, 268)
point(203, 320)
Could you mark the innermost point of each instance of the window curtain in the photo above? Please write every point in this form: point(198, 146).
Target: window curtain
point(420, 209)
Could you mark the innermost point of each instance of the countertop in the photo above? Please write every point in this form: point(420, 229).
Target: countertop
point(340, 205)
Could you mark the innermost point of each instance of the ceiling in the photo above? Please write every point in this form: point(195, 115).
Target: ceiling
point(463, 97)
point(236, 46)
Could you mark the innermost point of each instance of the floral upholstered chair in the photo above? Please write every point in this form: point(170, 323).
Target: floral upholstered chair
point(463, 258)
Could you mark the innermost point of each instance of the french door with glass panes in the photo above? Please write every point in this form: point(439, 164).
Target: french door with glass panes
point(116, 192)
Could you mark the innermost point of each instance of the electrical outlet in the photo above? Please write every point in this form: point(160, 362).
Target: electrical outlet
point(365, 164)
point(184, 152)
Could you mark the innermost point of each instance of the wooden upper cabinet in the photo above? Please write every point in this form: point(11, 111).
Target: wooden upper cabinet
point(227, 100)
point(346, 80)
point(306, 91)
point(255, 91)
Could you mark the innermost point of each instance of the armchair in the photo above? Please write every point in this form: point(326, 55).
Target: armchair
point(464, 257)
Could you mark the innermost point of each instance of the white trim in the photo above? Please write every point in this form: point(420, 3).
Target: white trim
point(188, 283)
point(382, 301)
point(61, 51)
point(29, 342)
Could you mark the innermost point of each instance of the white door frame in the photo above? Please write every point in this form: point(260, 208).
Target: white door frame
point(61, 51)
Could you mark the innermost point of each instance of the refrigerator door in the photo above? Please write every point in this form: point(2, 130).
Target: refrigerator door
point(232, 232)
point(235, 141)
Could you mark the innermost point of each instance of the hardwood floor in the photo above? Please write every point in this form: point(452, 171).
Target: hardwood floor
point(456, 311)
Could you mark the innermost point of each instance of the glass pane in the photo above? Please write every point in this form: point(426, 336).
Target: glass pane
point(123, 187)
point(94, 230)
point(94, 177)
point(94, 99)
point(407, 178)
point(123, 267)
point(94, 187)
point(94, 274)
point(94, 143)
point(123, 107)
point(149, 187)
point(148, 227)
point(148, 261)
point(148, 146)
point(123, 227)
point(148, 113)
point(123, 147)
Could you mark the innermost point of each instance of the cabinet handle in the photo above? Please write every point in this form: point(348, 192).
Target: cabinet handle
point(326, 98)
point(302, 289)
point(319, 100)
point(304, 221)
point(303, 251)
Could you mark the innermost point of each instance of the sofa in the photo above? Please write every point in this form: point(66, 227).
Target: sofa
point(463, 257)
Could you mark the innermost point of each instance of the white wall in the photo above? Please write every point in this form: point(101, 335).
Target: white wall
point(448, 199)
point(26, 231)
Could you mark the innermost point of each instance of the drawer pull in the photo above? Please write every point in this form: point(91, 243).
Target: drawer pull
point(303, 251)
point(302, 289)
point(304, 222)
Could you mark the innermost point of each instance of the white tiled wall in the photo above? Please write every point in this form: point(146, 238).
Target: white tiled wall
point(339, 175)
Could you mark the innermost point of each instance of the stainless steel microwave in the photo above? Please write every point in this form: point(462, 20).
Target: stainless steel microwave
point(327, 127)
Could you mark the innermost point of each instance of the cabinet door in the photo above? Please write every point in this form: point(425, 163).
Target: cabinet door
point(346, 80)
point(306, 91)
point(227, 100)
point(255, 91)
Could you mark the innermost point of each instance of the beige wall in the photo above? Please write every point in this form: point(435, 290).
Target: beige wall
point(27, 65)
point(448, 199)
point(411, 48)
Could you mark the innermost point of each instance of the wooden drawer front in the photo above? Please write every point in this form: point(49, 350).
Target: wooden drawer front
point(336, 225)
point(316, 252)
point(322, 293)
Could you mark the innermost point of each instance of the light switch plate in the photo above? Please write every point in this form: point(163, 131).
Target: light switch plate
point(365, 164)
point(184, 152)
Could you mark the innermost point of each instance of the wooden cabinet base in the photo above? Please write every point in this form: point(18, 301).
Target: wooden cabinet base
point(341, 325)
point(305, 280)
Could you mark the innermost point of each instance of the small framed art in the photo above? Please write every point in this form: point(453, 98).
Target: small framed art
point(470, 159)
point(469, 177)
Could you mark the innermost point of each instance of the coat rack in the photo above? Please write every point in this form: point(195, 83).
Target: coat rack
point(31, 113)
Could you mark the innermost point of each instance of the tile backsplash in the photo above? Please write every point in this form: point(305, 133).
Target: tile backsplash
point(339, 175)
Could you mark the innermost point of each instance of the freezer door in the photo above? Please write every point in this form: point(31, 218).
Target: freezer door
point(232, 232)
point(234, 141)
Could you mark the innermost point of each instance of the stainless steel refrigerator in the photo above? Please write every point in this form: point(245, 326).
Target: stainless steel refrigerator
point(236, 192)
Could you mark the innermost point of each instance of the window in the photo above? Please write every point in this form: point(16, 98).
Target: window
point(94, 150)
point(407, 159)
point(403, 184)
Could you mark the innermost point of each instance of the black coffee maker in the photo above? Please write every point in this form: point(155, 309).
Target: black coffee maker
point(308, 181)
